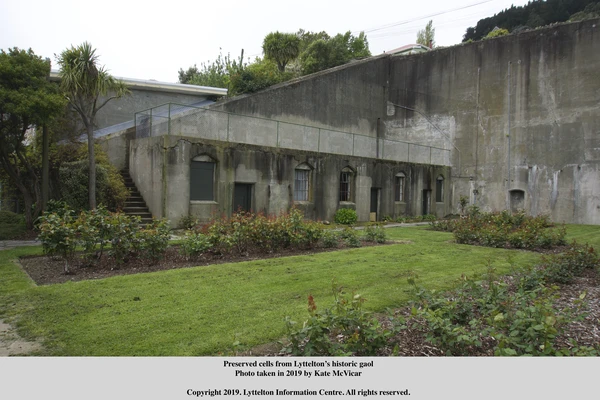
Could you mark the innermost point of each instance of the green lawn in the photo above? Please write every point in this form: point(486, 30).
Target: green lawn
point(203, 310)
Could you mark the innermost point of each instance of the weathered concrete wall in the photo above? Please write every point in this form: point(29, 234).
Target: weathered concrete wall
point(271, 174)
point(146, 161)
point(225, 126)
point(116, 146)
point(345, 99)
point(520, 113)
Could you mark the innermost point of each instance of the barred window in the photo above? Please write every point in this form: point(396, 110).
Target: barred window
point(301, 185)
point(399, 187)
point(346, 185)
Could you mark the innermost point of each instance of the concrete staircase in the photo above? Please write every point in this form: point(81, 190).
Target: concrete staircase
point(135, 204)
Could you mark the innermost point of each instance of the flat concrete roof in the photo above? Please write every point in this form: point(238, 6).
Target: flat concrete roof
point(168, 87)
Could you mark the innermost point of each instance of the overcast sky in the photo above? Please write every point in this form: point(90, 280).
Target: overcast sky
point(153, 40)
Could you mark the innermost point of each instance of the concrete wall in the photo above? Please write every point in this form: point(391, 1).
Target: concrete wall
point(271, 172)
point(520, 113)
point(523, 113)
point(226, 126)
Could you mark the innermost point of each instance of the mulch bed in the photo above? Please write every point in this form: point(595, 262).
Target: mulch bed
point(411, 341)
point(46, 270)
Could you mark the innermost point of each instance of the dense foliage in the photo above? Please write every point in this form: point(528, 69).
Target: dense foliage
point(110, 187)
point(286, 56)
point(503, 229)
point(536, 13)
point(281, 48)
point(508, 316)
point(62, 233)
point(88, 87)
point(345, 329)
point(345, 216)
point(27, 101)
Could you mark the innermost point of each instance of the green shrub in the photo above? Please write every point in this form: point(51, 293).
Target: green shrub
point(375, 233)
point(350, 237)
point(345, 216)
point(58, 235)
point(124, 229)
point(566, 266)
point(195, 244)
point(344, 329)
point(496, 33)
point(12, 225)
point(188, 222)
point(444, 225)
point(7, 217)
point(110, 187)
point(484, 312)
point(504, 230)
point(330, 239)
point(428, 217)
point(153, 240)
point(94, 230)
point(245, 230)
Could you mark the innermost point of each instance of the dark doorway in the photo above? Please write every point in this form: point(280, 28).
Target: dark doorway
point(426, 202)
point(242, 197)
point(374, 204)
point(517, 200)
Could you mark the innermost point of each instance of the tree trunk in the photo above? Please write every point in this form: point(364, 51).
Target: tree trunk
point(92, 167)
point(45, 167)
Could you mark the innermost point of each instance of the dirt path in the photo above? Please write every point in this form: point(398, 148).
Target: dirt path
point(12, 344)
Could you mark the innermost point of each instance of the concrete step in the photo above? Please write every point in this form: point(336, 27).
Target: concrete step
point(135, 204)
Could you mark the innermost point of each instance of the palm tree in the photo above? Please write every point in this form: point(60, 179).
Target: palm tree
point(281, 48)
point(83, 82)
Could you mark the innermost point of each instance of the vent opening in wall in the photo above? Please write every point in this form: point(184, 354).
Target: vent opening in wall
point(517, 200)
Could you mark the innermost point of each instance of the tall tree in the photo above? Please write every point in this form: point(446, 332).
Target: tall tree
point(88, 87)
point(281, 48)
point(27, 101)
point(426, 36)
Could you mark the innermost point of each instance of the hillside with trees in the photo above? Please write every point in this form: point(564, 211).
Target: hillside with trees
point(535, 14)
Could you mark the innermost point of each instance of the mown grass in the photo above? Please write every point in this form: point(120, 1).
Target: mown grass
point(203, 310)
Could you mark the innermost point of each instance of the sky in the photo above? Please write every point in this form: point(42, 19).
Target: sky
point(153, 40)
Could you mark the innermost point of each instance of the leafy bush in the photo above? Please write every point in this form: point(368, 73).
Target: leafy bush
point(330, 239)
point(350, 237)
point(504, 229)
point(428, 217)
point(7, 217)
point(345, 216)
point(344, 329)
point(59, 236)
point(246, 230)
point(496, 33)
point(110, 187)
point(444, 225)
point(564, 267)
point(375, 233)
point(153, 240)
point(61, 233)
point(11, 225)
point(188, 222)
point(195, 244)
point(521, 318)
point(125, 229)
